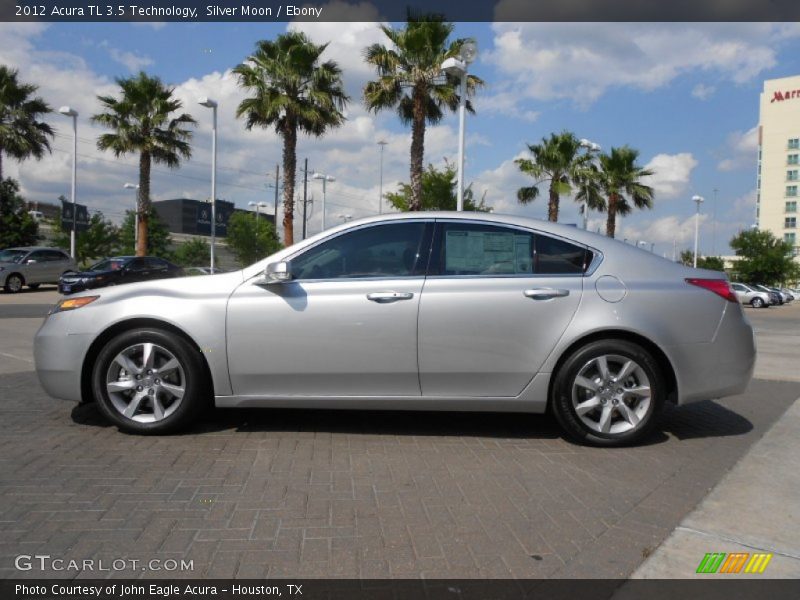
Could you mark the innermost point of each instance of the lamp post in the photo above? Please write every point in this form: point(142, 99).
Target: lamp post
point(71, 112)
point(382, 144)
point(257, 205)
point(209, 103)
point(457, 67)
point(133, 186)
point(698, 200)
point(591, 148)
point(325, 179)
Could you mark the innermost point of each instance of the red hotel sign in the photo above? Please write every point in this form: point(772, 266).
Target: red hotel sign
point(781, 96)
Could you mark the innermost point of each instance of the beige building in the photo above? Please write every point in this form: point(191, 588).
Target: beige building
point(779, 160)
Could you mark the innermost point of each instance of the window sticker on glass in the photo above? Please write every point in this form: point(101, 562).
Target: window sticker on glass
point(484, 252)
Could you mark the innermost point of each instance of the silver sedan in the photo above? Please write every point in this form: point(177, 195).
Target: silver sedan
point(418, 311)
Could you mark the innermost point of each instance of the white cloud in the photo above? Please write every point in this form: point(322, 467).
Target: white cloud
point(665, 229)
point(130, 60)
point(703, 92)
point(579, 62)
point(741, 147)
point(672, 173)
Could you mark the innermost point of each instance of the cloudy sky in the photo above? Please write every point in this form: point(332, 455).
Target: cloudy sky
point(685, 95)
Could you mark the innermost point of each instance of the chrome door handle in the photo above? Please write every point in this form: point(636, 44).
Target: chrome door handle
point(545, 293)
point(385, 297)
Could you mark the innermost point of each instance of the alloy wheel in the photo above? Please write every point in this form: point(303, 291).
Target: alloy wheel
point(145, 383)
point(611, 394)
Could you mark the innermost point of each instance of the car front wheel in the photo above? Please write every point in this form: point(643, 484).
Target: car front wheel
point(149, 381)
point(608, 393)
point(757, 303)
point(14, 283)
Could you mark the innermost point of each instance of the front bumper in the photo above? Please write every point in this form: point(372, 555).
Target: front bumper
point(72, 288)
point(59, 357)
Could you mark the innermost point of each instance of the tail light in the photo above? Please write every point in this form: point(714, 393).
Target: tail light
point(720, 287)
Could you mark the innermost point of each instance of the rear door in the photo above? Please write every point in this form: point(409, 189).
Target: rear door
point(496, 301)
point(57, 263)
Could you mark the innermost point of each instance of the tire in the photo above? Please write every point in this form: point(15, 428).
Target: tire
point(608, 417)
point(34, 286)
point(157, 406)
point(14, 283)
point(757, 303)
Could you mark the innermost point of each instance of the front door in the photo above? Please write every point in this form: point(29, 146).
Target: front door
point(495, 303)
point(345, 325)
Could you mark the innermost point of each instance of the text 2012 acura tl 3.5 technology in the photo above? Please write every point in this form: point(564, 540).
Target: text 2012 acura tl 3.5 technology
point(420, 311)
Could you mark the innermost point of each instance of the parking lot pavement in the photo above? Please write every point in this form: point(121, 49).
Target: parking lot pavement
point(337, 494)
point(778, 337)
point(754, 508)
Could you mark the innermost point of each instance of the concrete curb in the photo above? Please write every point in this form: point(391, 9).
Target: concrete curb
point(755, 508)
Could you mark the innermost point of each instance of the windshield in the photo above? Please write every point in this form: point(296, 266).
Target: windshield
point(12, 255)
point(110, 264)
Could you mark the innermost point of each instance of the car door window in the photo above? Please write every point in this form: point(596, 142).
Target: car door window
point(478, 249)
point(137, 265)
point(387, 251)
point(156, 264)
point(54, 256)
point(39, 256)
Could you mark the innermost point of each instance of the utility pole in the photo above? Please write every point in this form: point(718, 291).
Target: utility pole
point(714, 225)
point(277, 177)
point(305, 195)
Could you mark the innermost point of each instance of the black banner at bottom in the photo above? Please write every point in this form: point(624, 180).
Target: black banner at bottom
point(399, 589)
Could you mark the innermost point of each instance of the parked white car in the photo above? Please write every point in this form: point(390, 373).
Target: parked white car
point(32, 266)
point(748, 295)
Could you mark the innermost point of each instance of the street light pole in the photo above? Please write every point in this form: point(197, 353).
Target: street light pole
point(590, 147)
point(71, 112)
point(457, 66)
point(325, 179)
point(382, 144)
point(133, 186)
point(698, 200)
point(209, 103)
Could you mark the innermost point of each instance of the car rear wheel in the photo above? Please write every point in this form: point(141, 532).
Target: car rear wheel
point(149, 381)
point(757, 303)
point(14, 283)
point(608, 393)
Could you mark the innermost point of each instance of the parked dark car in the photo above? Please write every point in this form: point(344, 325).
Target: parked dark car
point(118, 270)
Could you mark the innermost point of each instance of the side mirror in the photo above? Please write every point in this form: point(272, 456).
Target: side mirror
point(277, 272)
point(30, 261)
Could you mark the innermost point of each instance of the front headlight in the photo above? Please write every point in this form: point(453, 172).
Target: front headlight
point(73, 303)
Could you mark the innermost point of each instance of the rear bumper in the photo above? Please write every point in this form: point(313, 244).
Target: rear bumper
point(723, 367)
point(59, 357)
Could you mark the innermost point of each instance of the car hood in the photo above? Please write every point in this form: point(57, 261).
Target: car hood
point(178, 287)
point(89, 273)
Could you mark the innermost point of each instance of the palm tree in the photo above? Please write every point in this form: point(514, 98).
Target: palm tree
point(620, 178)
point(560, 160)
point(291, 91)
point(410, 79)
point(22, 135)
point(142, 120)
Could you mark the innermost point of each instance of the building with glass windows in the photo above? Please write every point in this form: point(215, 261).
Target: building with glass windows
point(779, 160)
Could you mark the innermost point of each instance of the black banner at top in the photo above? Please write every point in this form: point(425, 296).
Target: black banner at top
point(393, 10)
